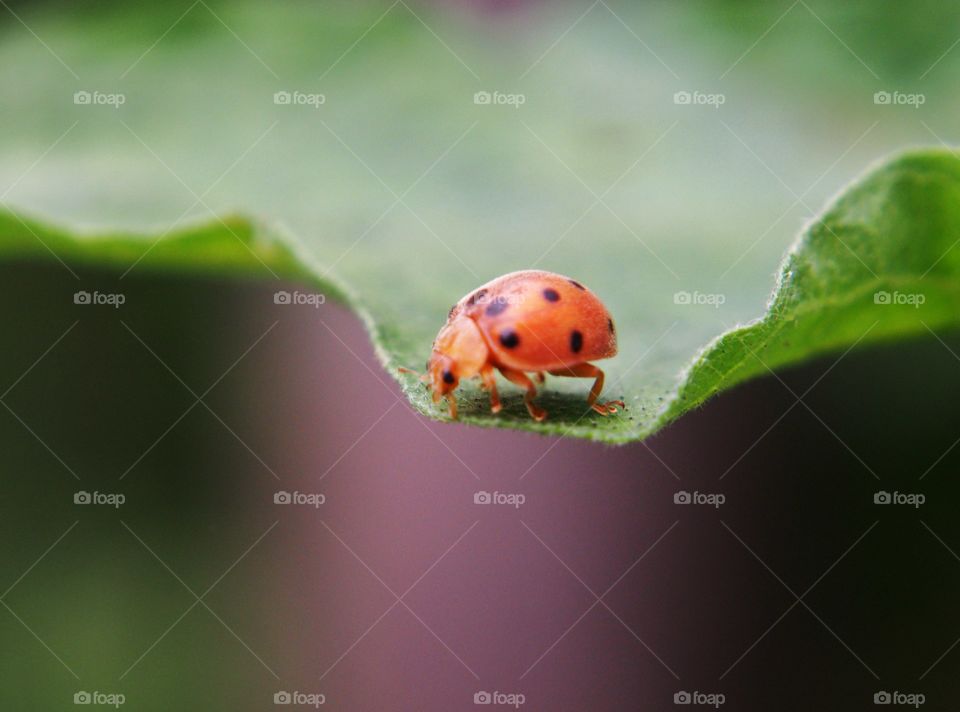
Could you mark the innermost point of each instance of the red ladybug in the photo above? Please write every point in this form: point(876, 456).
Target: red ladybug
point(528, 321)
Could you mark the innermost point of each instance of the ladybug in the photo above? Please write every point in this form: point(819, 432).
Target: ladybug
point(527, 321)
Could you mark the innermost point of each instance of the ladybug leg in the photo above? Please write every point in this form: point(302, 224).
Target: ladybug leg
point(521, 379)
point(490, 383)
point(452, 402)
point(541, 379)
point(588, 370)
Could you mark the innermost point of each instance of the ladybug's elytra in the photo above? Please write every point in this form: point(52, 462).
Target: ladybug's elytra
point(528, 321)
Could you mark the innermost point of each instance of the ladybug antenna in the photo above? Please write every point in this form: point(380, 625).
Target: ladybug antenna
point(423, 377)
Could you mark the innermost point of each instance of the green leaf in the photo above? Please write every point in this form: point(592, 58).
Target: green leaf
point(879, 264)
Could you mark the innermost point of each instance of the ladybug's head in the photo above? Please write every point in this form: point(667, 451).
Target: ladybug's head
point(441, 376)
point(459, 351)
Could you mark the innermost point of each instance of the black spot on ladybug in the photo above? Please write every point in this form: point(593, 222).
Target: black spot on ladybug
point(610, 325)
point(509, 338)
point(496, 307)
point(476, 297)
point(551, 295)
point(448, 376)
point(576, 341)
point(577, 284)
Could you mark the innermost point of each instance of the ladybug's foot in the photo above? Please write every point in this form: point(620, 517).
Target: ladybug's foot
point(536, 412)
point(608, 408)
